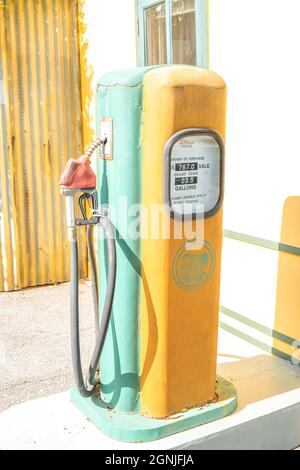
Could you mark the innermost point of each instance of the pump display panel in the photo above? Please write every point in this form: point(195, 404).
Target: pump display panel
point(186, 180)
point(194, 173)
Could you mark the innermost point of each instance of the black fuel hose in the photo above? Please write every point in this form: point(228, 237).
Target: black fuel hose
point(86, 387)
point(94, 275)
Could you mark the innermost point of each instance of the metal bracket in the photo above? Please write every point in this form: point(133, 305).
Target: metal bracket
point(87, 194)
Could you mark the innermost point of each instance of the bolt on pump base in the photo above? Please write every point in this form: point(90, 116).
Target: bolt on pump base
point(161, 135)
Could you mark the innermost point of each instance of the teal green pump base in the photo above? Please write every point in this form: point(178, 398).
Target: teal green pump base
point(137, 428)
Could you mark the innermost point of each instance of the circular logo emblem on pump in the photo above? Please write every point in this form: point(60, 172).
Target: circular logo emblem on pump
point(194, 264)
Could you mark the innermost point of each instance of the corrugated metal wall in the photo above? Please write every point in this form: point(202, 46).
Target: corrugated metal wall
point(40, 128)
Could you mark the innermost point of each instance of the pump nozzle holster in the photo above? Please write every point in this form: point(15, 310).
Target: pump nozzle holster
point(88, 195)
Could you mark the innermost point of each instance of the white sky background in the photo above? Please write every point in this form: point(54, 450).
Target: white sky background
point(255, 47)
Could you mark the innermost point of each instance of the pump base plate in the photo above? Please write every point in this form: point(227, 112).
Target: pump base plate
point(137, 428)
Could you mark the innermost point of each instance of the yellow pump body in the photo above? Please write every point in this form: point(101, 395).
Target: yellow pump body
point(180, 300)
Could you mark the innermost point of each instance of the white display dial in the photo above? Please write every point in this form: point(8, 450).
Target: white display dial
point(195, 174)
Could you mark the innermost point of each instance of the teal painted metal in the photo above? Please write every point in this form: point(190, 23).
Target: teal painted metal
point(137, 428)
point(262, 242)
point(202, 31)
point(169, 31)
point(259, 344)
point(258, 326)
point(119, 96)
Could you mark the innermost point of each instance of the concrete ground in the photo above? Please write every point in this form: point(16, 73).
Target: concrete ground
point(35, 358)
point(35, 362)
point(54, 423)
point(267, 416)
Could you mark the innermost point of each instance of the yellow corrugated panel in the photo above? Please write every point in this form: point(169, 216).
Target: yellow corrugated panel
point(40, 128)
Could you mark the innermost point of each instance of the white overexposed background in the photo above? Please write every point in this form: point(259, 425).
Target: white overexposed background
point(254, 46)
point(111, 33)
point(111, 40)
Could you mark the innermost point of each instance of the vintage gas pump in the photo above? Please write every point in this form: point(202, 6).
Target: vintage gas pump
point(161, 137)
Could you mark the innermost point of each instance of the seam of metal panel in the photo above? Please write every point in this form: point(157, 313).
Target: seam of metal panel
point(11, 220)
point(6, 248)
point(99, 85)
point(44, 48)
point(63, 152)
point(36, 138)
point(17, 146)
point(27, 151)
point(55, 138)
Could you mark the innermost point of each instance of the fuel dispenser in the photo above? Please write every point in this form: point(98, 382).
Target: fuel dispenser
point(160, 141)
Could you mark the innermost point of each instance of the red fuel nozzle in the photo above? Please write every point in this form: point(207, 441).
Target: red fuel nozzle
point(78, 174)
